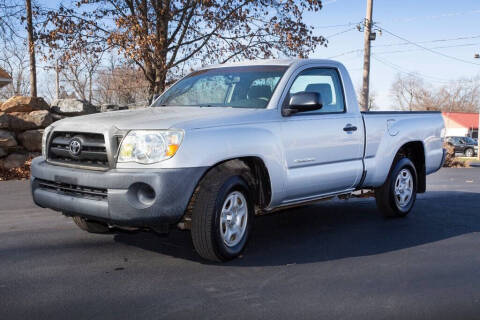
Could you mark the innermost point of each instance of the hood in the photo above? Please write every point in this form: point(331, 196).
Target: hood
point(163, 118)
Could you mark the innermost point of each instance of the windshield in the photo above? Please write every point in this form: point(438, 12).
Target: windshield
point(470, 140)
point(238, 87)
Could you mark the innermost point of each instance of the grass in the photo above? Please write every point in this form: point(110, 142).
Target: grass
point(467, 160)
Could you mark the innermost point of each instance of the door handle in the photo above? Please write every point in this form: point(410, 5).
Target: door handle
point(349, 128)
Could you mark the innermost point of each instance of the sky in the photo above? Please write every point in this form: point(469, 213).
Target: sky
point(418, 21)
point(431, 24)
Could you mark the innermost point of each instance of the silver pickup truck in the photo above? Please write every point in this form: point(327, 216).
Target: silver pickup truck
point(228, 142)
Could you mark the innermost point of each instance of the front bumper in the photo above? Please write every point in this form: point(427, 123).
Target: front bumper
point(116, 196)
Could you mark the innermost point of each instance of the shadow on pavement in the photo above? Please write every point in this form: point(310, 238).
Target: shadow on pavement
point(335, 230)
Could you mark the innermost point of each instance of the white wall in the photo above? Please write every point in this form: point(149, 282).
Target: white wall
point(460, 132)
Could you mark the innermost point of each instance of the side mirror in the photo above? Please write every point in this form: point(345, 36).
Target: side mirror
point(302, 102)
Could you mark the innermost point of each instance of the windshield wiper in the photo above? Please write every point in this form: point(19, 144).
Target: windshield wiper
point(208, 106)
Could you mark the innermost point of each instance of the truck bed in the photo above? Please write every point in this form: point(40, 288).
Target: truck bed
point(385, 131)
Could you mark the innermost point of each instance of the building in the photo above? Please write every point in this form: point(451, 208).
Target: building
point(461, 124)
point(4, 78)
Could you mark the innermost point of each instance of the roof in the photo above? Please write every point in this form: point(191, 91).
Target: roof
point(5, 78)
point(460, 119)
point(4, 74)
point(272, 62)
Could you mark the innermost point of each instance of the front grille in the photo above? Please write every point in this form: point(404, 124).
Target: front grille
point(93, 151)
point(73, 190)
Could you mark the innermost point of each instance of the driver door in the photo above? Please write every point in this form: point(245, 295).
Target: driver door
point(323, 148)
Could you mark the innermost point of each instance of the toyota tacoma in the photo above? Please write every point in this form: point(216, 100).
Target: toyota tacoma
point(229, 142)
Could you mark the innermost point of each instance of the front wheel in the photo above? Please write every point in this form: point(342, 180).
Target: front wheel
point(469, 153)
point(396, 197)
point(222, 214)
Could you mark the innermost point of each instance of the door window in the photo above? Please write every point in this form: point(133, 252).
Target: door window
point(326, 82)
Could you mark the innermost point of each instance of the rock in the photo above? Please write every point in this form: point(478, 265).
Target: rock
point(7, 139)
point(4, 120)
point(57, 117)
point(3, 152)
point(108, 107)
point(23, 104)
point(32, 155)
point(14, 160)
point(31, 139)
point(72, 107)
point(112, 107)
point(20, 121)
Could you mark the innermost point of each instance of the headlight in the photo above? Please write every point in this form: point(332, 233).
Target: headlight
point(46, 133)
point(148, 146)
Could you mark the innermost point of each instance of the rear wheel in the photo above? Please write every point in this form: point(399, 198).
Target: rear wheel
point(222, 213)
point(90, 226)
point(398, 194)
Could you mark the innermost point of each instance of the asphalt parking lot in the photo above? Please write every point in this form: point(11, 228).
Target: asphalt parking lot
point(334, 260)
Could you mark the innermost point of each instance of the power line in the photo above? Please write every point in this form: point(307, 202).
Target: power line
point(429, 41)
point(349, 24)
point(327, 2)
point(345, 53)
point(430, 50)
point(439, 47)
point(339, 33)
point(409, 43)
point(402, 70)
point(443, 15)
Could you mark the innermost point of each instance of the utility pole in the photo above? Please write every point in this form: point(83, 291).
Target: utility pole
point(31, 49)
point(477, 56)
point(366, 56)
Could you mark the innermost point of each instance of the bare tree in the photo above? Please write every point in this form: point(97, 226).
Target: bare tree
point(14, 60)
point(124, 84)
point(12, 16)
point(372, 99)
point(408, 91)
point(165, 35)
point(411, 93)
point(79, 73)
point(462, 96)
point(10, 12)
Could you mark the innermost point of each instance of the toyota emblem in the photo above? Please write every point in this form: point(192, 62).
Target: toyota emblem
point(75, 147)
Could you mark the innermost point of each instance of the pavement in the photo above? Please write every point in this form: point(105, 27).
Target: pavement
point(335, 260)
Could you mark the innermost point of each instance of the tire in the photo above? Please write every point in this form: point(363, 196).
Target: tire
point(396, 197)
point(90, 226)
point(469, 152)
point(224, 202)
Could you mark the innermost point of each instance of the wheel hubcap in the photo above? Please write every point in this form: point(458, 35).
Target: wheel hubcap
point(233, 219)
point(403, 188)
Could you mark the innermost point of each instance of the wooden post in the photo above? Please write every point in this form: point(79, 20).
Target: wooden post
point(366, 57)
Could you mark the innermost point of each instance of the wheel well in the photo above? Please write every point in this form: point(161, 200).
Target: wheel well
point(416, 153)
point(259, 178)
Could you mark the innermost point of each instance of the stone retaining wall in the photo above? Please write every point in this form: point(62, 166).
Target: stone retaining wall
point(22, 122)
